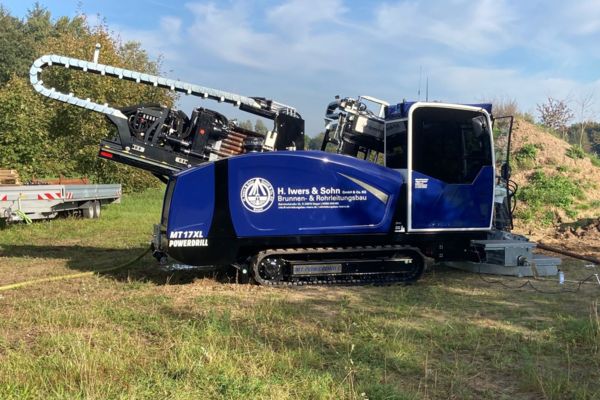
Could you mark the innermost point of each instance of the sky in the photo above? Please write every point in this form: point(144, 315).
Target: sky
point(305, 52)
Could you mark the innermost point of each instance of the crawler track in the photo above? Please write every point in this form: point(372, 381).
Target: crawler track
point(338, 266)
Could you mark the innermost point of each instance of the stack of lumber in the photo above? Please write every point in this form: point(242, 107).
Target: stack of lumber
point(9, 177)
point(61, 181)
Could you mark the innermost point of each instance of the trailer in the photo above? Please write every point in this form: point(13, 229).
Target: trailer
point(32, 202)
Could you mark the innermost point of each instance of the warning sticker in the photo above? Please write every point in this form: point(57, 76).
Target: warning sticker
point(421, 183)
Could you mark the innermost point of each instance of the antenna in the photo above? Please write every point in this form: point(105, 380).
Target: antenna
point(420, 74)
point(427, 89)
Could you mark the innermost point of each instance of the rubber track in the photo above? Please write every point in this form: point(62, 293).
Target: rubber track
point(381, 279)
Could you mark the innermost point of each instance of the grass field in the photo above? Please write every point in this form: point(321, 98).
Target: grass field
point(150, 333)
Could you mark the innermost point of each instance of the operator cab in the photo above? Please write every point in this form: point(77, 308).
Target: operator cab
point(449, 142)
point(445, 155)
point(443, 152)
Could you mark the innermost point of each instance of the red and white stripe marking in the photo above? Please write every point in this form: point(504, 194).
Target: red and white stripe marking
point(49, 196)
point(69, 195)
point(3, 197)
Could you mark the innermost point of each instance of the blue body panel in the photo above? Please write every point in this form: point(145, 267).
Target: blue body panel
point(438, 205)
point(192, 203)
point(309, 193)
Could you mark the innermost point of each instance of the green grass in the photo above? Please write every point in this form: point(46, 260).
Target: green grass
point(575, 152)
point(146, 333)
point(525, 157)
point(545, 191)
point(594, 159)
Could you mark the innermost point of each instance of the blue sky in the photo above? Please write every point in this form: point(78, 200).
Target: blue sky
point(304, 52)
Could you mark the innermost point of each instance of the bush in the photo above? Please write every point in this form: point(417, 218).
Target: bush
point(504, 106)
point(526, 155)
point(528, 117)
point(575, 152)
point(527, 151)
point(545, 191)
point(595, 160)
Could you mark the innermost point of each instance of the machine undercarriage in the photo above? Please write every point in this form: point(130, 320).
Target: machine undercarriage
point(349, 265)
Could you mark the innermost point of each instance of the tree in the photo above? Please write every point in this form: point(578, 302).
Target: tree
point(314, 143)
point(591, 137)
point(45, 138)
point(260, 127)
point(16, 48)
point(584, 109)
point(504, 106)
point(594, 138)
point(555, 114)
point(24, 143)
point(246, 125)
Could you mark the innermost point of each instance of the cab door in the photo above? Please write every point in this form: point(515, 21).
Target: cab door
point(450, 168)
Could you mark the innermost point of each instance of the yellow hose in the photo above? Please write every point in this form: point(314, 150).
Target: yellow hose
point(71, 276)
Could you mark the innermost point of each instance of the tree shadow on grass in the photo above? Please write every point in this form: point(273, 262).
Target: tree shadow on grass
point(385, 338)
point(381, 337)
point(104, 261)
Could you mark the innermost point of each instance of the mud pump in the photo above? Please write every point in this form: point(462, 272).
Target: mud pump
point(406, 184)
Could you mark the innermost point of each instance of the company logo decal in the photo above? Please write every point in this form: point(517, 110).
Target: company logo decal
point(257, 195)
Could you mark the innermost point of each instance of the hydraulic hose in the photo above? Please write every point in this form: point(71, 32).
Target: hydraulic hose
point(71, 276)
point(568, 253)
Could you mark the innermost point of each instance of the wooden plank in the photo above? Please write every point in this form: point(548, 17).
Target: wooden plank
point(10, 182)
point(61, 181)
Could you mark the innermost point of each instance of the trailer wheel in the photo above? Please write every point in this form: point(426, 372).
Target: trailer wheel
point(97, 209)
point(87, 210)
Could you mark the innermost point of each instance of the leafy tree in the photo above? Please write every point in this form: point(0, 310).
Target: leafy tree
point(314, 143)
point(16, 48)
point(42, 137)
point(594, 138)
point(260, 127)
point(39, 24)
point(246, 125)
point(23, 131)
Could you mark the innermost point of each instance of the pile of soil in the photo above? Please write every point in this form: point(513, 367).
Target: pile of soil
point(580, 234)
point(581, 237)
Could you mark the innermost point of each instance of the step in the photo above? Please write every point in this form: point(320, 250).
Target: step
point(496, 269)
point(497, 244)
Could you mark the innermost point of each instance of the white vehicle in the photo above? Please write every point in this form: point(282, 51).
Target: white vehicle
point(30, 202)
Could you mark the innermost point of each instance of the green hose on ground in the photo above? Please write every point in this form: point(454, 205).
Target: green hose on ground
point(71, 276)
point(23, 216)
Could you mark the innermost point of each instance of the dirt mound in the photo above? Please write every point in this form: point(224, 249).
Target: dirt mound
point(582, 229)
point(552, 153)
point(578, 230)
point(582, 237)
